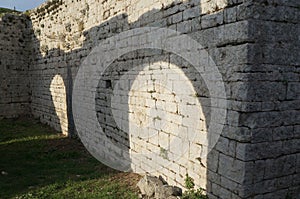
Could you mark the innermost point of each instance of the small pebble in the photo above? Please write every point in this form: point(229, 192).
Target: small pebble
point(4, 173)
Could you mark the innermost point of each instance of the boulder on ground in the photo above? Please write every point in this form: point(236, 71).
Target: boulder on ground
point(153, 187)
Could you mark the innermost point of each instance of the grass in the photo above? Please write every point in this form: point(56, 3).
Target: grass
point(6, 10)
point(37, 162)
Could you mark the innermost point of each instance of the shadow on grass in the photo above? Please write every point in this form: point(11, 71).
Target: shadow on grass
point(37, 162)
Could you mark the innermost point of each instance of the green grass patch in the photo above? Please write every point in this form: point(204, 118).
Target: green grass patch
point(37, 162)
point(6, 10)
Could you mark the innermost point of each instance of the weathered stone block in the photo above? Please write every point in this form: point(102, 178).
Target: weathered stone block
point(231, 168)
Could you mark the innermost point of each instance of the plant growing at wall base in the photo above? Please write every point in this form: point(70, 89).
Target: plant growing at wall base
point(191, 192)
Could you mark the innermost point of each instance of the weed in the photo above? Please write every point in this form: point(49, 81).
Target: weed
point(163, 153)
point(191, 192)
point(157, 118)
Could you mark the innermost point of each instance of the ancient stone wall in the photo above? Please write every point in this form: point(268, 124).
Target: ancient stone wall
point(272, 113)
point(14, 64)
point(67, 31)
point(254, 44)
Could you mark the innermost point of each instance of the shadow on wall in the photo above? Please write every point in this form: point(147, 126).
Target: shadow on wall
point(140, 103)
point(14, 64)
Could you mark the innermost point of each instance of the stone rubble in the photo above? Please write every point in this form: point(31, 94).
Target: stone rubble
point(153, 187)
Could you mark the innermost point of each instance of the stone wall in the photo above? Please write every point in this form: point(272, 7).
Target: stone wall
point(66, 33)
point(272, 114)
point(257, 154)
point(14, 63)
